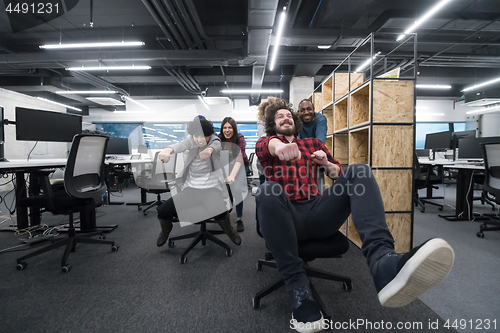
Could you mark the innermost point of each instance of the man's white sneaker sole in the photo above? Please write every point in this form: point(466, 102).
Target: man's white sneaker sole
point(312, 327)
point(430, 265)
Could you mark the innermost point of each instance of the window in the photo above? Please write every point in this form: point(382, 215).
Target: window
point(422, 129)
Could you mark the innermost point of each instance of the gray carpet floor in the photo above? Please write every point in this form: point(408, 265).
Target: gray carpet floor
point(143, 288)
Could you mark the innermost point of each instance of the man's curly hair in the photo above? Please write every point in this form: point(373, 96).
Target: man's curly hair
point(201, 127)
point(270, 107)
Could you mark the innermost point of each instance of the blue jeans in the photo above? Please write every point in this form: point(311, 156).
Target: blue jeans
point(284, 223)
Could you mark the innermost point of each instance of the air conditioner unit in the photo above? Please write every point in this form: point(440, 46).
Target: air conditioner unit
point(482, 98)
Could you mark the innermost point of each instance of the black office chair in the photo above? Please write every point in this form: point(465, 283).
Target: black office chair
point(250, 171)
point(205, 234)
point(491, 185)
point(84, 185)
point(155, 178)
point(331, 247)
point(424, 178)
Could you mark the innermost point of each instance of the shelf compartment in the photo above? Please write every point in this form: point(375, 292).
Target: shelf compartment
point(359, 106)
point(357, 79)
point(393, 101)
point(340, 114)
point(392, 146)
point(341, 85)
point(329, 146)
point(328, 113)
point(341, 148)
point(359, 146)
point(328, 91)
point(396, 188)
point(318, 98)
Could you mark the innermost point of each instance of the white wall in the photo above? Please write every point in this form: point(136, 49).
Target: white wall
point(165, 111)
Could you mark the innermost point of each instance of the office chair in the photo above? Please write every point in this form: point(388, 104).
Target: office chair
point(205, 234)
point(84, 185)
point(491, 185)
point(156, 178)
point(424, 179)
point(331, 247)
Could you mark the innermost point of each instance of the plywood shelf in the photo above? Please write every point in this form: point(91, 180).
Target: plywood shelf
point(327, 87)
point(359, 146)
point(341, 147)
point(328, 113)
point(359, 106)
point(393, 101)
point(392, 146)
point(340, 114)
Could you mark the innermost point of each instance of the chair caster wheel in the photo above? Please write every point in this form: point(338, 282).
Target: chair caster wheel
point(440, 209)
point(21, 265)
point(480, 235)
point(66, 269)
point(171, 244)
point(114, 248)
point(183, 260)
point(144, 212)
point(229, 253)
point(101, 236)
point(259, 266)
point(255, 303)
point(139, 208)
point(347, 286)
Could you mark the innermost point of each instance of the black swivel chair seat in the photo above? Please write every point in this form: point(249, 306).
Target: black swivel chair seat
point(426, 179)
point(331, 247)
point(491, 186)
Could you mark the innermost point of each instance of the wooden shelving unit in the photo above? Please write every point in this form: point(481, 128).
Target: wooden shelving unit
point(371, 121)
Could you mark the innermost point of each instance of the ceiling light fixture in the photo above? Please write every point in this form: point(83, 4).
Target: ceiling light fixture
point(108, 68)
point(252, 91)
point(423, 18)
point(134, 101)
point(60, 104)
point(486, 110)
point(433, 86)
point(89, 45)
point(366, 63)
point(481, 84)
point(324, 47)
point(85, 92)
point(203, 102)
point(277, 40)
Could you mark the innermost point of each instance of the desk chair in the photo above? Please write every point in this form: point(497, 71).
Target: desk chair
point(205, 234)
point(426, 180)
point(156, 178)
point(84, 185)
point(250, 171)
point(331, 247)
point(491, 185)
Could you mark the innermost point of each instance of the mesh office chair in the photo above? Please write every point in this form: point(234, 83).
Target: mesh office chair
point(205, 234)
point(331, 247)
point(156, 178)
point(491, 185)
point(423, 180)
point(84, 185)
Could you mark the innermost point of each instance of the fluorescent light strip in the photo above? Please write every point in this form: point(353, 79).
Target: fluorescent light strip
point(203, 102)
point(423, 18)
point(485, 110)
point(433, 86)
point(77, 92)
point(251, 91)
point(84, 45)
point(366, 63)
point(60, 104)
point(133, 101)
point(108, 68)
point(429, 114)
point(278, 37)
point(482, 84)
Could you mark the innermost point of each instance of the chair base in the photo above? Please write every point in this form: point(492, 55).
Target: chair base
point(200, 236)
point(311, 272)
point(484, 226)
point(69, 242)
point(150, 204)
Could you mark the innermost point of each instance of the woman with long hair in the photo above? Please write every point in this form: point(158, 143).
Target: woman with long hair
point(234, 142)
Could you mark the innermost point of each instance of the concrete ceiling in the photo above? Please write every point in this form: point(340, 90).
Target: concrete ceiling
point(199, 46)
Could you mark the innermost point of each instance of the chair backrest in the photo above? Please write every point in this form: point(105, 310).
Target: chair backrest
point(163, 173)
point(416, 166)
point(84, 173)
point(491, 153)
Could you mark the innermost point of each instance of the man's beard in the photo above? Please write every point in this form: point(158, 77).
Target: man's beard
point(289, 131)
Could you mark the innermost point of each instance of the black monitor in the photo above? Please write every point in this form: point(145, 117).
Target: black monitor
point(438, 141)
point(455, 136)
point(471, 148)
point(423, 152)
point(38, 125)
point(117, 146)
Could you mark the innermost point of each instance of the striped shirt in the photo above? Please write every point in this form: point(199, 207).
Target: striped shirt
point(298, 179)
point(200, 175)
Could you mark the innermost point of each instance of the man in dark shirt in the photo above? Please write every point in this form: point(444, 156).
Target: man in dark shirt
point(290, 209)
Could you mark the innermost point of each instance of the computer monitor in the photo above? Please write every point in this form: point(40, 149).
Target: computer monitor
point(117, 146)
point(471, 148)
point(38, 125)
point(438, 141)
point(455, 136)
point(423, 152)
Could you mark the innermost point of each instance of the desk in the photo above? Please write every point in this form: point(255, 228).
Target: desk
point(112, 162)
point(464, 196)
